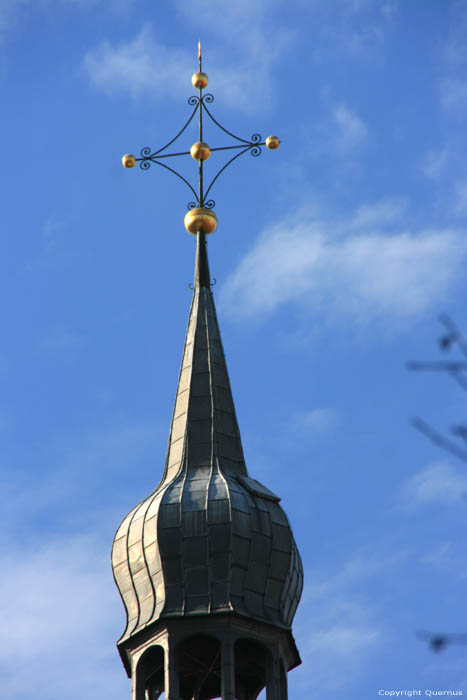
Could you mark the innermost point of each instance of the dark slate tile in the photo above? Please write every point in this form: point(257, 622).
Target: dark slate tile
point(261, 549)
point(194, 523)
point(197, 604)
point(194, 500)
point(273, 593)
point(220, 567)
point(238, 501)
point(173, 572)
point(200, 384)
point(220, 596)
point(277, 514)
point(260, 521)
point(225, 423)
point(219, 511)
point(237, 581)
point(280, 564)
point(241, 523)
point(169, 515)
point(196, 582)
point(170, 542)
point(229, 447)
point(234, 486)
point(217, 488)
point(199, 431)
point(223, 398)
point(200, 407)
point(219, 538)
point(273, 615)
point(230, 466)
point(195, 551)
point(240, 550)
point(199, 474)
point(254, 603)
point(256, 578)
point(281, 538)
point(200, 360)
point(197, 482)
point(199, 455)
point(173, 599)
point(219, 375)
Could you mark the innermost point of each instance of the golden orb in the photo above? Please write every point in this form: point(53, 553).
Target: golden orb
point(200, 219)
point(199, 80)
point(272, 142)
point(128, 160)
point(200, 151)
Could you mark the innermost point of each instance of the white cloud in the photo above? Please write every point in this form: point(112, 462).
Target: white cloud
point(343, 271)
point(241, 69)
point(346, 628)
point(351, 130)
point(317, 421)
point(439, 483)
point(435, 163)
point(60, 621)
point(140, 66)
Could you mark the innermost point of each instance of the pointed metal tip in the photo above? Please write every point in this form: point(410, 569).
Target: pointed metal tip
point(199, 50)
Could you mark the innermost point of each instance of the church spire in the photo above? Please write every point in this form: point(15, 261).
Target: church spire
point(206, 565)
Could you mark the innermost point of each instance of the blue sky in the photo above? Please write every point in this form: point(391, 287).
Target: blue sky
point(334, 257)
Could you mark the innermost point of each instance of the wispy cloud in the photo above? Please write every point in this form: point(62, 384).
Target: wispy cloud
point(317, 421)
point(140, 66)
point(351, 130)
point(439, 483)
point(60, 599)
point(435, 163)
point(348, 269)
point(241, 70)
point(346, 628)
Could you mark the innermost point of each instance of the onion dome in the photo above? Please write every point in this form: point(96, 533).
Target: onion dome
point(210, 539)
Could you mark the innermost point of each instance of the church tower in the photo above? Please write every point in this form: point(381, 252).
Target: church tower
point(207, 566)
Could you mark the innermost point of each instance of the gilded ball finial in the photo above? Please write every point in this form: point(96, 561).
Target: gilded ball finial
point(200, 151)
point(199, 80)
point(128, 160)
point(272, 142)
point(200, 219)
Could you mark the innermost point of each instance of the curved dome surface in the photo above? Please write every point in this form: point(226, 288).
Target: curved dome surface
point(209, 539)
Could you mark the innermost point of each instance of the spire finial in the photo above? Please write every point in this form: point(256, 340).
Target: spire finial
point(200, 216)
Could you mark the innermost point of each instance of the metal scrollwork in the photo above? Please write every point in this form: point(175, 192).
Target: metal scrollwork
point(199, 104)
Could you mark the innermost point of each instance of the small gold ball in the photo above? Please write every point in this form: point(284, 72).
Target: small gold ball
point(272, 142)
point(128, 161)
point(200, 219)
point(199, 80)
point(200, 151)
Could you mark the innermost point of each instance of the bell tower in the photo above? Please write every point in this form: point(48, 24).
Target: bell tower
point(207, 566)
